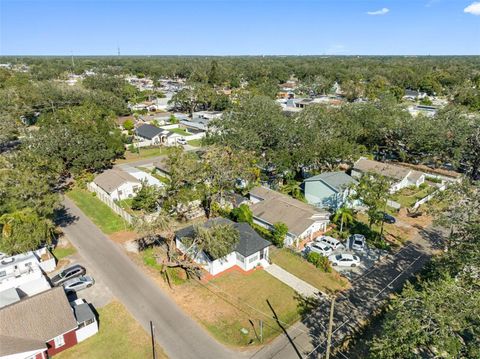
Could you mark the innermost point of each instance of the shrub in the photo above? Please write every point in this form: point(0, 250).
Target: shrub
point(279, 232)
point(319, 261)
point(423, 186)
point(263, 232)
point(243, 213)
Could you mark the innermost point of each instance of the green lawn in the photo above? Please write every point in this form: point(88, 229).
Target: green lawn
point(180, 131)
point(175, 275)
point(119, 336)
point(408, 196)
point(62, 252)
point(195, 143)
point(107, 220)
point(225, 306)
point(306, 271)
point(144, 152)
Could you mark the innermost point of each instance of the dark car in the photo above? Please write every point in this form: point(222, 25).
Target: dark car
point(68, 273)
point(388, 218)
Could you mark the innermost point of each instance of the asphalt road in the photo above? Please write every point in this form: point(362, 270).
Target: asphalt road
point(179, 335)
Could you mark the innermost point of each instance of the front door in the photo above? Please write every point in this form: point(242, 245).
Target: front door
point(262, 252)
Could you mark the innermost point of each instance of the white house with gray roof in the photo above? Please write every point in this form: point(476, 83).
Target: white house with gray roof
point(328, 190)
point(149, 135)
point(250, 251)
point(400, 176)
point(117, 184)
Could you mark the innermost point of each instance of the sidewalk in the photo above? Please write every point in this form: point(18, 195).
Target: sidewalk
point(295, 283)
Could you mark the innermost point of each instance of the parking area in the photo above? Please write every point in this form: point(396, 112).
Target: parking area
point(369, 256)
point(99, 294)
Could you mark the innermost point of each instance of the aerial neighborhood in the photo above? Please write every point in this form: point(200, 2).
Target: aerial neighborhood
point(238, 206)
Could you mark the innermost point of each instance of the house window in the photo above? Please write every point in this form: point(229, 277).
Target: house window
point(3, 273)
point(253, 259)
point(59, 341)
point(240, 258)
point(120, 192)
point(85, 323)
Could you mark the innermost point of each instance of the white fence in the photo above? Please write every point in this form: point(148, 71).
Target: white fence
point(105, 198)
point(429, 197)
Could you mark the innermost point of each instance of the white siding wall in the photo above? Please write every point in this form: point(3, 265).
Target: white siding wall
point(86, 331)
point(221, 264)
point(124, 191)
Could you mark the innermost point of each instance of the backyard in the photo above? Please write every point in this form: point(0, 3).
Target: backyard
point(408, 196)
point(180, 131)
point(298, 266)
point(97, 211)
point(195, 143)
point(119, 336)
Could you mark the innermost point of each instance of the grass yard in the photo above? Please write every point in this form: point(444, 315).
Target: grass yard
point(180, 131)
point(225, 306)
point(408, 196)
point(62, 252)
point(120, 336)
point(176, 275)
point(298, 266)
point(195, 143)
point(107, 220)
point(144, 152)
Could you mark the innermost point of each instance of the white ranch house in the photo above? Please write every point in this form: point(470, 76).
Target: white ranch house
point(117, 184)
point(304, 221)
point(251, 250)
point(402, 176)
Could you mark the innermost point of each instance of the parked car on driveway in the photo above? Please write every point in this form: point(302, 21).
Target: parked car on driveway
point(78, 283)
point(358, 242)
point(318, 247)
point(181, 141)
point(330, 241)
point(388, 218)
point(68, 273)
point(344, 260)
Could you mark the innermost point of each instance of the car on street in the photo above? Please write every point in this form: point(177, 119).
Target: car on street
point(344, 260)
point(318, 247)
point(68, 273)
point(181, 141)
point(330, 241)
point(78, 283)
point(358, 242)
point(388, 218)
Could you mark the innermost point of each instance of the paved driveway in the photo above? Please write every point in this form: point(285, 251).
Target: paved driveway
point(179, 335)
point(292, 281)
point(307, 339)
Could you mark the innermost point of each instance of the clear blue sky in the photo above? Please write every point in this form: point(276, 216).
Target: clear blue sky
point(237, 27)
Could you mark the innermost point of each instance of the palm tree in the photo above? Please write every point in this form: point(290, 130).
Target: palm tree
point(344, 215)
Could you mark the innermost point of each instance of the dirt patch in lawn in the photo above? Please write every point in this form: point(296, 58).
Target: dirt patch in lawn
point(123, 236)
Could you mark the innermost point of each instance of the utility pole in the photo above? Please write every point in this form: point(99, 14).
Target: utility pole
point(330, 327)
point(152, 333)
point(261, 331)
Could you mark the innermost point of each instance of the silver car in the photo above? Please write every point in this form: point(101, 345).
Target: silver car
point(79, 283)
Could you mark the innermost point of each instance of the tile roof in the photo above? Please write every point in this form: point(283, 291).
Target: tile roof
point(249, 242)
point(111, 179)
point(35, 320)
point(278, 207)
point(336, 180)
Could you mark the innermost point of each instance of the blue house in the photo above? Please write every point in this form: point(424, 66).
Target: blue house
point(328, 190)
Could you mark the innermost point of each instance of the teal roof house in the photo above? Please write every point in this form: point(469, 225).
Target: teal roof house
point(328, 190)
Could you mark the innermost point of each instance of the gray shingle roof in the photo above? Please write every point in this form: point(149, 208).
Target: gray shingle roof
point(249, 242)
point(83, 312)
point(37, 319)
point(278, 207)
point(148, 131)
point(111, 179)
point(337, 180)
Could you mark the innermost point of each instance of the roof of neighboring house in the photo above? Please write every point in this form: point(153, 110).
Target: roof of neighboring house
point(162, 164)
point(278, 207)
point(113, 178)
point(83, 312)
point(30, 323)
point(385, 169)
point(148, 131)
point(336, 180)
point(249, 242)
